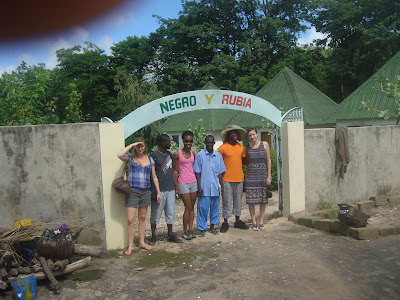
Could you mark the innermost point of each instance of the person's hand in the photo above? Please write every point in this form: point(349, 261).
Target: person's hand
point(200, 192)
point(137, 143)
point(177, 192)
point(269, 181)
point(158, 198)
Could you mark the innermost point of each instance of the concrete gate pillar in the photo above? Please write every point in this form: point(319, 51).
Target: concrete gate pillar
point(111, 142)
point(293, 174)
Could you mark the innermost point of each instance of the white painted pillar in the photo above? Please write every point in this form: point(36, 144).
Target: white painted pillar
point(293, 174)
point(111, 142)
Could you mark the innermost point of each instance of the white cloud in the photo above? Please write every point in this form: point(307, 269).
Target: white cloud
point(105, 43)
point(7, 69)
point(28, 58)
point(309, 36)
point(78, 36)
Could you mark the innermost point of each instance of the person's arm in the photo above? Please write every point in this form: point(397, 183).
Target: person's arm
point(122, 155)
point(244, 157)
point(176, 171)
point(199, 189)
point(266, 147)
point(156, 184)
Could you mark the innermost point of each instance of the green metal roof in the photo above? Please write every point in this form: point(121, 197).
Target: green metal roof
point(351, 108)
point(288, 90)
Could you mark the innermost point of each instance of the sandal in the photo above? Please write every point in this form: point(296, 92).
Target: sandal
point(261, 227)
point(254, 227)
point(129, 252)
point(146, 247)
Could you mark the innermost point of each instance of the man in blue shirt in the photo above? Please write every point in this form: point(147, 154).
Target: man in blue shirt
point(208, 167)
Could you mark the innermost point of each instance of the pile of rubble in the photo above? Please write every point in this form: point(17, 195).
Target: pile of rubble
point(19, 257)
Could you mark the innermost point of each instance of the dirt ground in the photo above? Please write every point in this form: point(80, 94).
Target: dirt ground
point(286, 261)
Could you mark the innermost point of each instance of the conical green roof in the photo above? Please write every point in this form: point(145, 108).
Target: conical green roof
point(288, 90)
point(351, 108)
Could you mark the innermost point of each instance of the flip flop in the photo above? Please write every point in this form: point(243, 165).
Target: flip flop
point(254, 227)
point(148, 248)
point(129, 252)
point(261, 227)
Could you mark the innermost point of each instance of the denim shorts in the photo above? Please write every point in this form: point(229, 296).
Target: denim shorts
point(186, 188)
point(138, 198)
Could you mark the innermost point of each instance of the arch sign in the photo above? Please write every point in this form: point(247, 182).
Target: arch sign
point(197, 100)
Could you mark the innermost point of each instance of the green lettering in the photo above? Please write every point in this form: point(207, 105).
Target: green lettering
point(192, 103)
point(185, 102)
point(178, 103)
point(164, 106)
point(171, 104)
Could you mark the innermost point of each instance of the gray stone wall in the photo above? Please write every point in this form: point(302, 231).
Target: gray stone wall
point(52, 173)
point(374, 168)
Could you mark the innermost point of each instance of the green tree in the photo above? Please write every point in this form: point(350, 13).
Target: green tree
point(362, 34)
point(199, 135)
point(133, 54)
point(91, 72)
point(24, 97)
point(233, 43)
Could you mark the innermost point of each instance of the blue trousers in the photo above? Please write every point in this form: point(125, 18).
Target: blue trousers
point(204, 204)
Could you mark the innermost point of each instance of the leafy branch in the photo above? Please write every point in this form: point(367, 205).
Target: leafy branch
point(391, 89)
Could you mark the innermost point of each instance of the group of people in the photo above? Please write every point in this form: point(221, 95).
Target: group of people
point(157, 179)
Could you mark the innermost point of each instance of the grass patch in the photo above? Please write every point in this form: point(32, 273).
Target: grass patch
point(114, 253)
point(324, 206)
point(205, 256)
point(163, 258)
point(332, 214)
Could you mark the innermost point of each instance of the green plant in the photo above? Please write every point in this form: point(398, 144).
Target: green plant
point(324, 205)
point(199, 135)
point(331, 214)
point(391, 89)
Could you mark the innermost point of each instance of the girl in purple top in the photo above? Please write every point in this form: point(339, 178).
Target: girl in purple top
point(141, 167)
point(185, 182)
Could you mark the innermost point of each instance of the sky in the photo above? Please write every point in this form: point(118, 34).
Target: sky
point(132, 18)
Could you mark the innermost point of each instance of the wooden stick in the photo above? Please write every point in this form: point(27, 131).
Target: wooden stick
point(80, 264)
point(88, 250)
point(60, 264)
point(46, 269)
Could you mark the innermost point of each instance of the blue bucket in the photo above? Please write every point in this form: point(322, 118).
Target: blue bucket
point(25, 288)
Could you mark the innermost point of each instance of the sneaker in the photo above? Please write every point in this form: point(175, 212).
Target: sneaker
point(187, 235)
point(152, 240)
point(214, 231)
point(174, 239)
point(240, 224)
point(224, 227)
point(202, 233)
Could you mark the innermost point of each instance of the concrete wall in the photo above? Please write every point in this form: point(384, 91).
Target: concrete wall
point(53, 173)
point(373, 169)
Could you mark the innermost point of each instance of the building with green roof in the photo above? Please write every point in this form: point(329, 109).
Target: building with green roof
point(287, 90)
point(351, 111)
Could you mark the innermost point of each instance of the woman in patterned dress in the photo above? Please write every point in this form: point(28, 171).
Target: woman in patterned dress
point(258, 176)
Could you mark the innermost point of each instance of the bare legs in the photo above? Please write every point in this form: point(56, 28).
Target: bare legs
point(252, 211)
point(142, 212)
point(189, 200)
point(131, 212)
